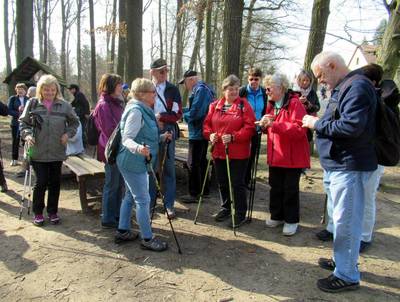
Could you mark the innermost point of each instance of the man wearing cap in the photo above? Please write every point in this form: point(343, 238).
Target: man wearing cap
point(168, 110)
point(199, 100)
point(81, 106)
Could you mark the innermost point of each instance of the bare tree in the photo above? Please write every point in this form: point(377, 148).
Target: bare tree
point(67, 20)
point(160, 30)
point(179, 41)
point(92, 54)
point(24, 20)
point(209, 50)
point(111, 64)
point(121, 62)
point(246, 38)
point(78, 40)
point(199, 14)
point(134, 40)
point(7, 44)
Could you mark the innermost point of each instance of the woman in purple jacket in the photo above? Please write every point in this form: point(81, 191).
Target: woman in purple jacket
point(107, 114)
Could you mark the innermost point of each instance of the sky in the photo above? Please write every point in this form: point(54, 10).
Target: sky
point(361, 17)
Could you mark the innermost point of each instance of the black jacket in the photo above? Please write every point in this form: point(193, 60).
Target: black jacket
point(81, 105)
point(13, 105)
point(3, 109)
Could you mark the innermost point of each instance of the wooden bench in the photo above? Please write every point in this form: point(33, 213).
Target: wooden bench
point(85, 167)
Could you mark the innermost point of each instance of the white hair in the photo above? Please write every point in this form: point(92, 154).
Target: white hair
point(278, 79)
point(326, 57)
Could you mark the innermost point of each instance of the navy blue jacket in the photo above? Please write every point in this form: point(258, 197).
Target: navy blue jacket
point(346, 131)
point(13, 105)
point(201, 97)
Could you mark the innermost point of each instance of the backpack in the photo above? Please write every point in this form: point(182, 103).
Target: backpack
point(387, 135)
point(92, 133)
point(112, 146)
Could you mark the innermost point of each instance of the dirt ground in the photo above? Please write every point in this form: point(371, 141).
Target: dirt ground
point(78, 261)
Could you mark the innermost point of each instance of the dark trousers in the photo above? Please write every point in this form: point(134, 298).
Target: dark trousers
point(284, 194)
point(2, 178)
point(83, 121)
point(237, 166)
point(15, 141)
point(197, 163)
point(48, 176)
point(255, 141)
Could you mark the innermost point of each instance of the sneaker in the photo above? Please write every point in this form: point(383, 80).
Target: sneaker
point(327, 264)
point(364, 245)
point(3, 188)
point(189, 199)
point(109, 225)
point(154, 244)
point(54, 218)
point(324, 235)
point(289, 229)
point(222, 215)
point(126, 236)
point(273, 223)
point(333, 284)
point(38, 220)
point(13, 163)
point(170, 213)
point(239, 221)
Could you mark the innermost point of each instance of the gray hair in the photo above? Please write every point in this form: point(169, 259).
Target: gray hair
point(31, 92)
point(278, 79)
point(230, 80)
point(141, 85)
point(326, 57)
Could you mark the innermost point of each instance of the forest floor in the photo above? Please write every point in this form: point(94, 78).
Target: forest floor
point(78, 260)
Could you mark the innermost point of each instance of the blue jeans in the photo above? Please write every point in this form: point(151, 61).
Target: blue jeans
point(168, 181)
point(347, 190)
point(138, 185)
point(112, 194)
point(369, 207)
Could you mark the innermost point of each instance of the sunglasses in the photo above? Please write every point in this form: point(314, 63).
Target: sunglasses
point(254, 79)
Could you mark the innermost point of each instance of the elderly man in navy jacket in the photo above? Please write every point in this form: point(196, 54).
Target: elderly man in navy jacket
point(199, 100)
point(344, 135)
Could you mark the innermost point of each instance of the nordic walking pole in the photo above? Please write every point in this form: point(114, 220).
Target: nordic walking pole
point(29, 188)
point(153, 174)
point(27, 181)
point(323, 217)
point(254, 178)
point(210, 149)
point(230, 188)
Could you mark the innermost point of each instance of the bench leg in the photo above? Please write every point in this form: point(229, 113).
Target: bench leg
point(82, 194)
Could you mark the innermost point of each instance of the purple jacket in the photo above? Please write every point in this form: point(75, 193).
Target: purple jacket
point(107, 114)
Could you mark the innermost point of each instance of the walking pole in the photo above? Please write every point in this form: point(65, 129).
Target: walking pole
point(254, 178)
point(230, 188)
point(27, 181)
point(323, 217)
point(153, 174)
point(210, 150)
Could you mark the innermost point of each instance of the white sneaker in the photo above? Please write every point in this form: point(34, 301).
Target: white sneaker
point(273, 223)
point(13, 163)
point(289, 229)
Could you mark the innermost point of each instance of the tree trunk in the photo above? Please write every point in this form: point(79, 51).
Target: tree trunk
point(24, 21)
point(319, 20)
point(389, 53)
point(122, 38)
point(38, 8)
point(78, 41)
point(6, 41)
point(63, 41)
point(199, 28)
point(160, 30)
point(216, 46)
point(45, 8)
point(134, 24)
point(246, 39)
point(209, 50)
point(179, 42)
point(233, 15)
point(166, 30)
point(92, 54)
point(111, 65)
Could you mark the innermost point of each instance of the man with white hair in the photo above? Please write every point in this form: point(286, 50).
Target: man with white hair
point(344, 136)
point(199, 100)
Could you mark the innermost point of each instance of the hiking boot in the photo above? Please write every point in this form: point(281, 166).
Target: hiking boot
point(54, 218)
point(154, 244)
point(327, 264)
point(364, 245)
point(273, 223)
point(3, 188)
point(222, 215)
point(289, 229)
point(333, 284)
point(324, 235)
point(109, 225)
point(239, 221)
point(38, 220)
point(189, 199)
point(170, 213)
point(124, 236)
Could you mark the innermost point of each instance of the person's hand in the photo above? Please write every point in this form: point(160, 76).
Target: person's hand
point(167, 136)
point(303, 99)
point(309, 121)
point(160, 123)
point(213, 138)
point(266, 121)
point(64, 139)
point(144, 150)
point(21, 108)
point(227, 138)
point(29, 140)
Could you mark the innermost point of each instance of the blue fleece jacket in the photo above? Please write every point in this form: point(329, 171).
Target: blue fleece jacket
point(346, 131)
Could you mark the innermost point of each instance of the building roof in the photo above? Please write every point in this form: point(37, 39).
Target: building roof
point(28, 68)
point(368, 51)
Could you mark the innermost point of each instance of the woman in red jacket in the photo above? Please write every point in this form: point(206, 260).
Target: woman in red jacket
point(230, 122)
point(287, 151)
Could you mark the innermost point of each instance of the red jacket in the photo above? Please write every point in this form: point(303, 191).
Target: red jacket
point(238, 121)
point(287, 144)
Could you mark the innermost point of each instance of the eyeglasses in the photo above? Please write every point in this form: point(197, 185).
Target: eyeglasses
point(149, 91)
point(254, 79)
point(162, 71)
